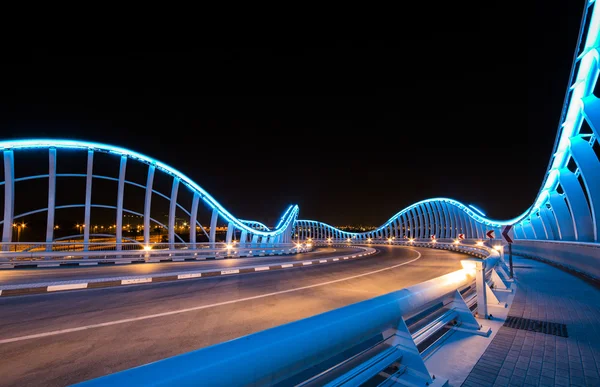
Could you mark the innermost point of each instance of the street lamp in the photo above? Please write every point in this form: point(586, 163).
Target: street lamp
point(19, 227)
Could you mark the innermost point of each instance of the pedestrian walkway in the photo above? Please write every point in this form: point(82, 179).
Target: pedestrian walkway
point(519, 357)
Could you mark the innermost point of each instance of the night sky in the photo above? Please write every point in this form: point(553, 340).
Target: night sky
point(351, 130)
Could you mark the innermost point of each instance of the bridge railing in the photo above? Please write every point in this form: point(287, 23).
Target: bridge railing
point(581, 257)
point(474, 249)
point(18, 252)
point(347, 345)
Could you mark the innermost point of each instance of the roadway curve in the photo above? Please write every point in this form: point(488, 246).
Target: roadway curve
point(41, 275)
point(194, 314)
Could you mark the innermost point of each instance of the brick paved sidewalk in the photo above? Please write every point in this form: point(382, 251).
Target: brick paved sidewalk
point(518, 357)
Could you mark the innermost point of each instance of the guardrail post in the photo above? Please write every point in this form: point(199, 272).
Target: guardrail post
point(410, 354)
point(481, 289)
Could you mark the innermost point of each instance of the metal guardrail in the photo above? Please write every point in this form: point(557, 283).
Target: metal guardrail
point(109, 251)
point(580, 257)
point(479, 251)
point(385, 335)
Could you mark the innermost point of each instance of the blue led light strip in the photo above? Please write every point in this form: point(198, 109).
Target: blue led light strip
point(73, 144)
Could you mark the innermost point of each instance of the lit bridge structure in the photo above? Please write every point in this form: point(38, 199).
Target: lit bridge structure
point(183, 199)
point(563, 218)
point(344, 346)
point(562, 223)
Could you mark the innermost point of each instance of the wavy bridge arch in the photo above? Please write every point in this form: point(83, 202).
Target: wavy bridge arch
point(440, 217)
point(567, 207)
point(250, 231)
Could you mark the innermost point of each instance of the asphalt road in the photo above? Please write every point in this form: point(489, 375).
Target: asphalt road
point(55, 339)
point(38, 275)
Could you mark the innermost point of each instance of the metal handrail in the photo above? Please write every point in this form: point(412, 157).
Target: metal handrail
point(162, 250)
point(297, 344)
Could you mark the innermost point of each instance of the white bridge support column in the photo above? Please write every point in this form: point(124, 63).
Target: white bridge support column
point(440, 217)
point(426, 218)
point(9, 197)
point(589, 168)
point(563, 217)
point(148, 203)
point(120, 190)
point(411, 225)
point(213, 227)
point(172, 212)
point(243, 238)
point(549, 222)
point(537, 225)
point(421, 222)
point(193, 217)
point(582, 218)
point(52, 199)
point(230, 228)
point(88, 199)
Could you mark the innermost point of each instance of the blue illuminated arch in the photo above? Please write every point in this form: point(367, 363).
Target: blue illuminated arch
point(284, 224)
point(427, 217)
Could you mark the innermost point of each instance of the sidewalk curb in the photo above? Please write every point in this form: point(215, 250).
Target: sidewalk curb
point(53, 287)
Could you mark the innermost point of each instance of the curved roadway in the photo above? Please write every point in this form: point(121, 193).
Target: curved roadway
point(65, 273)
point(64, 338)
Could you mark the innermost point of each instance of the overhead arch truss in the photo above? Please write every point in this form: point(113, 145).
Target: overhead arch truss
point(248, 231)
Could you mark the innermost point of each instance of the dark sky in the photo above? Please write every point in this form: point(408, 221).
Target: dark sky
point(352, 130)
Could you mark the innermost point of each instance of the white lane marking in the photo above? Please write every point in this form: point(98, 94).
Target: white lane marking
point(232, 271)
point(322, 260)
point(336, 259)
point(189, 275)
point(87, 263)
point(261, 268)
point(56, 288)
point(135, 281)
point(345, 257)
point(287, 265)
point(0, 292)
point(48, 265)
point(122, 262)
point(307, 263)
point(150, 316)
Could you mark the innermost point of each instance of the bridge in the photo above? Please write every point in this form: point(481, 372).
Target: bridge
point(193, 291)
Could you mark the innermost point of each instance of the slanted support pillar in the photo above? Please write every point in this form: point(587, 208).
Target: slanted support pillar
point(172, 212)
point(148, 203)
point(52, 201)
point(9, 197)
point(193, 217)
point(230, 228)
point(120, 190)
point(213, 227)
point(88, 199)
point(243, 238)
